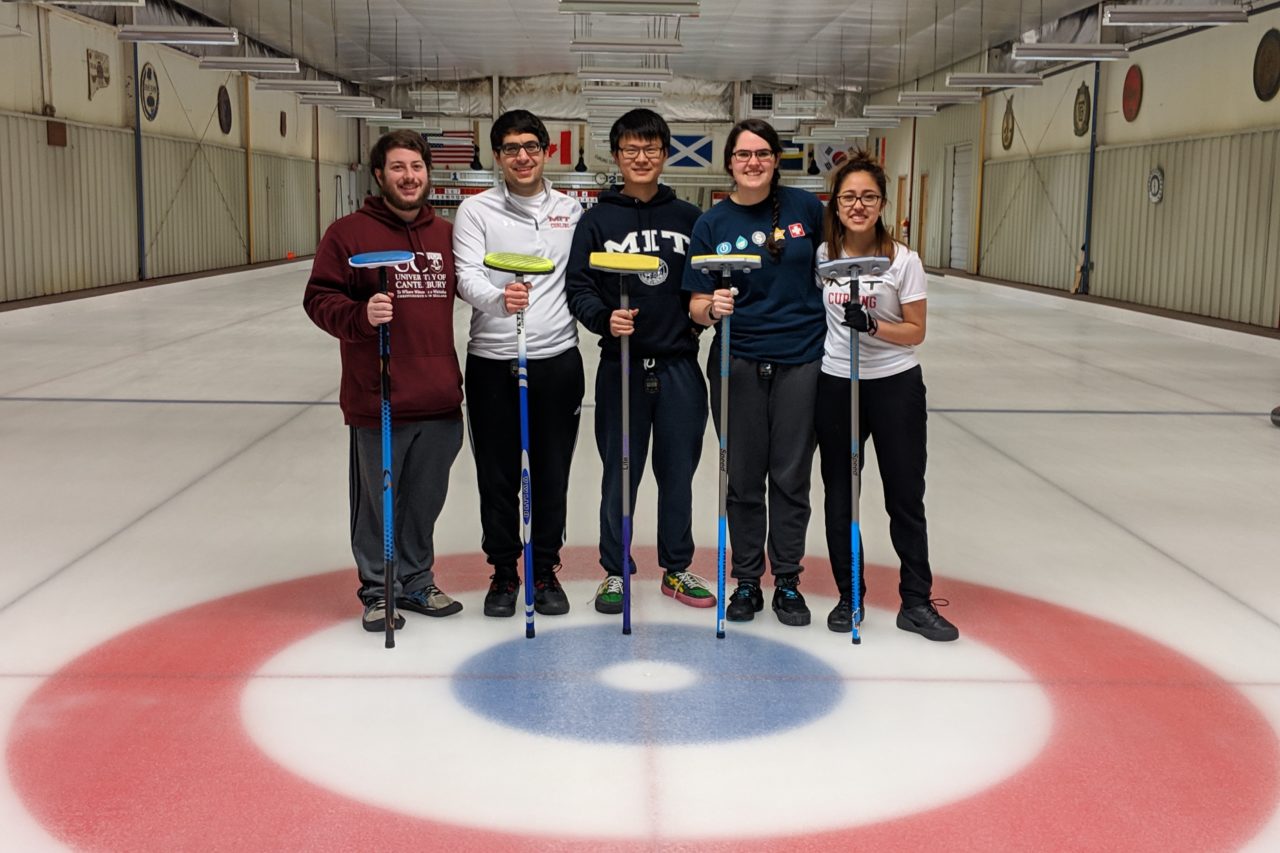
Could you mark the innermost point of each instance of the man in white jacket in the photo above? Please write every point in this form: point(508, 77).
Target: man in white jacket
point(523, 215)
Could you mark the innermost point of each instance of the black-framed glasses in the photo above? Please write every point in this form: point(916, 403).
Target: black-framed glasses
point(513, 149)
point(764, 155)
point(867, 199)
point(632, 152)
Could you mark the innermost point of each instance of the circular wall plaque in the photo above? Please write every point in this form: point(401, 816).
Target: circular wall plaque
point(1131, 98)
point(1266, 66)
point(1080, 112)
point(224, 109)
point(1155, 185)
point(284, 123)
point(1006, 125)
point(149, 87)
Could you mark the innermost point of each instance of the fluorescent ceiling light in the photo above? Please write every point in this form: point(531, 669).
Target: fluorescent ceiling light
point(625, 74)
point(434, 94)
point(356, 101)
point(1072, 52)
point(688, 8)
point(797, 116)
point(179, 35)
point(409, 124)
point(995, 80)
point(629, 103)
point(797, 104)
point(817, 140)
point(369, 112)
point(96, 2)
point(866, 123)
point(653, 89)
point(939, 98)
point(251, 64)
point(1173, 16)
point(301, 87)
point(626, 46)
point(897, 111)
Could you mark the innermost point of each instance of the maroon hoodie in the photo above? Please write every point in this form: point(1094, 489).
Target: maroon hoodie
point(426, 383)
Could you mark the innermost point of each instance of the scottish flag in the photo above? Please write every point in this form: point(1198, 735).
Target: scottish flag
point(690, 151)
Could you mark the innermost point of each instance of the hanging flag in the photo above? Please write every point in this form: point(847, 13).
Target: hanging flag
point(561, 151)
point(690, 151)
point(452, 148)
point(792, 159)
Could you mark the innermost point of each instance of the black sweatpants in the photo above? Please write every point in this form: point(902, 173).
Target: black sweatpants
point(892, 414)
point(493, 416)
point(672, 409)
point(771, 443)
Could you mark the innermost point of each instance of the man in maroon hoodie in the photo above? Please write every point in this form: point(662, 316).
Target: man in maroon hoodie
point(426, 383)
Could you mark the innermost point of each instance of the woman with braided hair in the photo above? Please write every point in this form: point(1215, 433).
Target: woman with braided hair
point(775, 353)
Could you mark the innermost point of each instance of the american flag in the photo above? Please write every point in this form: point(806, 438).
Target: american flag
point(452, 148)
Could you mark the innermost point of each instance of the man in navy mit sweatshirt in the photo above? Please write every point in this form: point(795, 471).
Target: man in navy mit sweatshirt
point(426, 383)
point(668, 393)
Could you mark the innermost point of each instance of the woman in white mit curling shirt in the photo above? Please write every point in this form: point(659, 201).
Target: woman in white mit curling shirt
point(889, 316)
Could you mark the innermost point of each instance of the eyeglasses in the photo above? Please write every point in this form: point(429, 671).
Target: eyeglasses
point(652, 152)
point(764, 155)
point(867, 199)
point(513, 149)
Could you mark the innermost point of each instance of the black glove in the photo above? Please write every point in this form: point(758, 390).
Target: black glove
point(857, 318)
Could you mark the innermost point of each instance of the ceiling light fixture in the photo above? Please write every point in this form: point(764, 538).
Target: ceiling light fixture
point(301, 87)
point(655, 46)
point(994, 80)
point(369, 113)
point(1174, 16)
point(867, 123)
point(897, 111)
point(939, 99)
point(251, 64)
point(626, 75)
point(351, 101)
point(179, 35)
point(686, 8)
point(1070, 52)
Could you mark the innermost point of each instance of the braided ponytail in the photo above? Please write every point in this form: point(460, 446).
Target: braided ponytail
point(775, 248)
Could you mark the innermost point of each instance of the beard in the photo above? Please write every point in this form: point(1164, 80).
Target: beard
point(391, 195)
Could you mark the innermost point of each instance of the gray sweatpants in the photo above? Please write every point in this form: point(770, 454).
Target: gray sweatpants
point(771, 444)
point(421, 455)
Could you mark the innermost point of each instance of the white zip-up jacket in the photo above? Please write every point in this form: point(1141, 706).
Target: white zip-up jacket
point(492, 222)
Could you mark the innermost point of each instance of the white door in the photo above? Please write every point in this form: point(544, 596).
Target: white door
point(961, 206)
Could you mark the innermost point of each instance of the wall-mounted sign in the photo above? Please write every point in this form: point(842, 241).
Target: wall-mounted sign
point(1131, 96)
point(1006, 125)
point(149, 91)
point(1155, 185)
point(1080, 111)
point(224, 109)
point(1266, 66)
point(99, 65)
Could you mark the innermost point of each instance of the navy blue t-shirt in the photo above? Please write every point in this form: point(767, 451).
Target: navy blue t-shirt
point(778, 315)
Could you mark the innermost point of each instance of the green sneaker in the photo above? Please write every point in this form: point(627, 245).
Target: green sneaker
point(609, 595)
point(687, 588)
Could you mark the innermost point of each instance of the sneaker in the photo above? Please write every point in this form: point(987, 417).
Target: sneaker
point(375, 616)
point(924, 619)
point(788, 603)
point(840, 618)
point(745, 602)
point(430, 600)
point(687, 588)
point(548, 596)
point(609, 595)
point(504, 586)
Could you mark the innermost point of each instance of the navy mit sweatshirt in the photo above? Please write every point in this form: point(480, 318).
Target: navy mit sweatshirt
point(620, 223)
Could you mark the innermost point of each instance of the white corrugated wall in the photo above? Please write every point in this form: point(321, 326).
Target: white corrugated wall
point(195, 206)
point(1033, 219)
point(66, 214)
point(284, 207)
point(1210, 246)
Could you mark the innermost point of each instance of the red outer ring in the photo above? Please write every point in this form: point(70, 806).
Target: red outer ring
point(1148, 751)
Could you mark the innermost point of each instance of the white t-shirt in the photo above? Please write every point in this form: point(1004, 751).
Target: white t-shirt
point(883, 295)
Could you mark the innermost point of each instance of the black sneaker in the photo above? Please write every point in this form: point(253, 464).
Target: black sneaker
point(924, 619)
point(504, 586)
point(745, 602)
point(548, 596)
point(788, 603)
point(375, 616)
point(840, 618)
